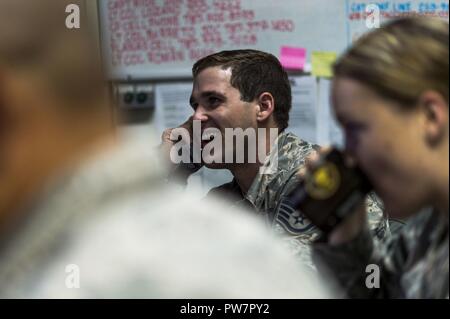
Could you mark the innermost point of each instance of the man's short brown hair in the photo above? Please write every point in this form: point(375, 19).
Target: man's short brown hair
point(254, 72)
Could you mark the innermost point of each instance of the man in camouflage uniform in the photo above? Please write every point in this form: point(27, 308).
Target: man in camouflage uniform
point(267, 197)
point(257, 77)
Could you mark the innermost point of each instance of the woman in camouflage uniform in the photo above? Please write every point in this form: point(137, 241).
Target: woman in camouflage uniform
point(390, 95)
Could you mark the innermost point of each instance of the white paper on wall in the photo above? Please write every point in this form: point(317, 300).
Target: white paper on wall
point(172, 105)
point(302, 119)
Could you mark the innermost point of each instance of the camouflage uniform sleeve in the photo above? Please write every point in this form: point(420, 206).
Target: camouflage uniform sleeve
point(381, 225)
point(377, 219)
point(350, 265)
point(356, 265)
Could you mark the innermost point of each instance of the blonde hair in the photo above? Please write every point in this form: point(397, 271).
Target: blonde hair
point(401, 60)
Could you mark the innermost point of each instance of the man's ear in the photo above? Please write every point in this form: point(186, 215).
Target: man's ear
point(435, 111)
point(266, 106)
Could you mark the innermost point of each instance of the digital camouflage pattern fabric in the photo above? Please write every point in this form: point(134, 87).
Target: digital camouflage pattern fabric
point(412, 264)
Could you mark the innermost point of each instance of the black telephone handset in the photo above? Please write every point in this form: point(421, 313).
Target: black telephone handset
point(328, 194)
point(183, 170)
point(192, 166)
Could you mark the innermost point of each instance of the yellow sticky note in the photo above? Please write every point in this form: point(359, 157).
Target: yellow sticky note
point(322, 63)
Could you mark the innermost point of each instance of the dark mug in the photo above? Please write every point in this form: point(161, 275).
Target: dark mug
point(330, 192)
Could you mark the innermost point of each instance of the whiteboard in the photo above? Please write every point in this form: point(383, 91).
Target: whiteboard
point(157, 39)
point(166, 45)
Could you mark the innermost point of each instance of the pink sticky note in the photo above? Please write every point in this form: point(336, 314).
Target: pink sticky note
point(293, 58)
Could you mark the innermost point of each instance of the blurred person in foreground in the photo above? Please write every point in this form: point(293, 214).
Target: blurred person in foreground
point(390, 94)
point(84, 213)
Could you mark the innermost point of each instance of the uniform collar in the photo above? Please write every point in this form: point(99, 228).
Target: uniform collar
point(275, 163)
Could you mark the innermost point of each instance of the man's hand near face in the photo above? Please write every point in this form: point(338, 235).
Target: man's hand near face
point(168, 140)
